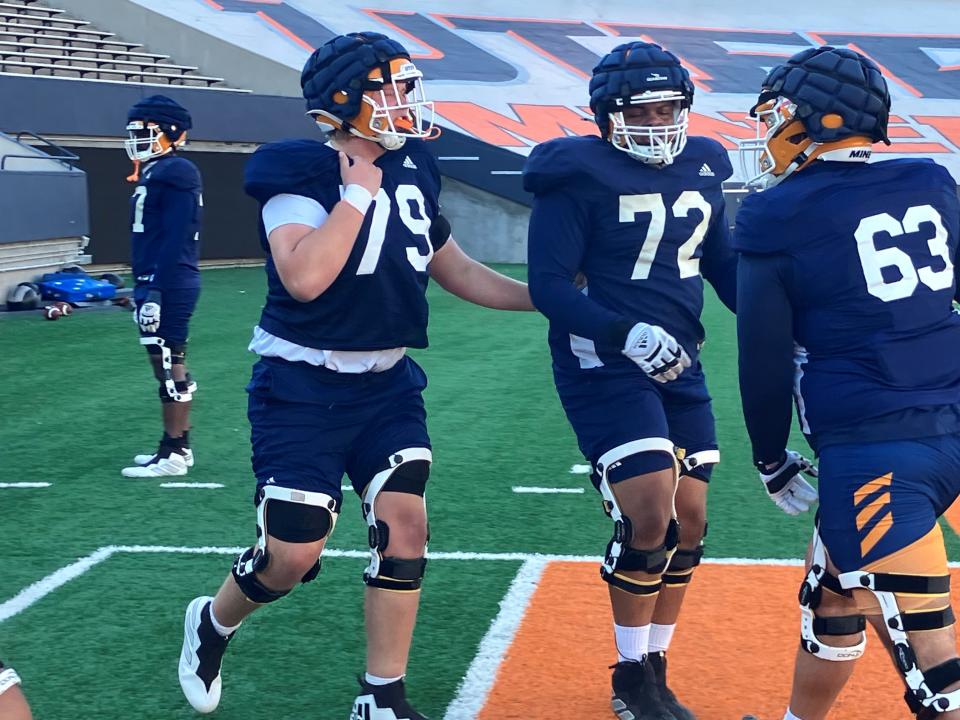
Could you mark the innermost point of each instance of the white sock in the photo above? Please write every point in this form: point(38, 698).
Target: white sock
point(660, 637)
point(222, 630)
point(790, 716)
point(377, 680)
point(632, 642)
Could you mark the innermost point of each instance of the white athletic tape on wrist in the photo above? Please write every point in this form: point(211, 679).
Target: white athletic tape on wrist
point(8, 678)
point(358, 197)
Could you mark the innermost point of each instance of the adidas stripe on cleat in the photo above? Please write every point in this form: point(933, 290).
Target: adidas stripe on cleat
point(383, 702)
point(159, 466)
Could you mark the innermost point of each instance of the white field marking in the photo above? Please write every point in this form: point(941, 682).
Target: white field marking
point(547, 490)
point(24, 485)
point(32, 593)
point(580, 469)
point(205, 486)
point(480, 676)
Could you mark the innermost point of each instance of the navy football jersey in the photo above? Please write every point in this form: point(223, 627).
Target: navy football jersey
point(866, 257)
point(165, 215)
point(378, 300)
point(640, 234)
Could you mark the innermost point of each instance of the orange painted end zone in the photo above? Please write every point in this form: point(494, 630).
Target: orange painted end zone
point(732, 655)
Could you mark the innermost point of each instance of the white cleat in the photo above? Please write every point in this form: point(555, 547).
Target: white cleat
point(187, 454)
point(200, 658)
point(173, 464)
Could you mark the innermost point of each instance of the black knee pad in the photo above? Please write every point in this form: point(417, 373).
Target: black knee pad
point(410, 477)
point(298, 523)
point(178, 353)
point(245, 570)
point(681, 567)
point(398, 574)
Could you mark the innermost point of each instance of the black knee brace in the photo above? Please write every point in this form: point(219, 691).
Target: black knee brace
point(652, 561)
point(245, 570)
point(682, 565)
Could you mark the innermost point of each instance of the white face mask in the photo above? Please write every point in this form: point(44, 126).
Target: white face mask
point(409, 102)
point(756, 159)
point(143, 141)
point(654, 144)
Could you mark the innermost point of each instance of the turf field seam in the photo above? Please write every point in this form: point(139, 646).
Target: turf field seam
point(479, 678)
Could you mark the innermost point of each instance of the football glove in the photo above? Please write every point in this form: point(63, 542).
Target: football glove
point(147, 315)
point(785, 484)
point(656, 351)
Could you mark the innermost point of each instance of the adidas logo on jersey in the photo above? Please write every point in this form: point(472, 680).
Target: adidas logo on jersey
point(408, 163)
point(705, 171)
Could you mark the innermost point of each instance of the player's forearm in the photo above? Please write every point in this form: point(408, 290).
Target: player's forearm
point(765, 340)
point(309, 265)
point(461, 275)
point(564, 305)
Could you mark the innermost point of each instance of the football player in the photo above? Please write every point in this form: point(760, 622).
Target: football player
point(352, 232)
point(846, 285)
point(640, 214)
point(13, 705)
point(165, 216)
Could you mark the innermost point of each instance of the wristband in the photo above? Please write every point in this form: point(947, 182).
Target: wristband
point(8, 678)
point(358, 197)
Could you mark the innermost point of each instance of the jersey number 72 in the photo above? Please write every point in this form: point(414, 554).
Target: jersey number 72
point(631, 205)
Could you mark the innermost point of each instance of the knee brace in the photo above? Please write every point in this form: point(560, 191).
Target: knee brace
point(812, 627)
point(294, 516)
point(698, 465)
point(408, 471)
point(170, 390)
point(620, 556)
point(680, 570)
point(925, 694)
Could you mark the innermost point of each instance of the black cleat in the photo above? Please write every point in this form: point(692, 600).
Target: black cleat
point(383, 702)
point(658, 662)
point(635, 693)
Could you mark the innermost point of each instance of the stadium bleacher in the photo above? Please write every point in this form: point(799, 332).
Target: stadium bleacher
point(46, 41)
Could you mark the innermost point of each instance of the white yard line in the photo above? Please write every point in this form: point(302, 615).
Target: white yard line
point(527, 576)
point(580, 469)
point(24, 485)
point(480, 676)
point(521, 489)
point(30, 594)
point(203, 486)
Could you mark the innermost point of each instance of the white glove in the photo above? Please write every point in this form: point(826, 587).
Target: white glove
point(147, 317)
point(786, 487)
point(656, 351)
